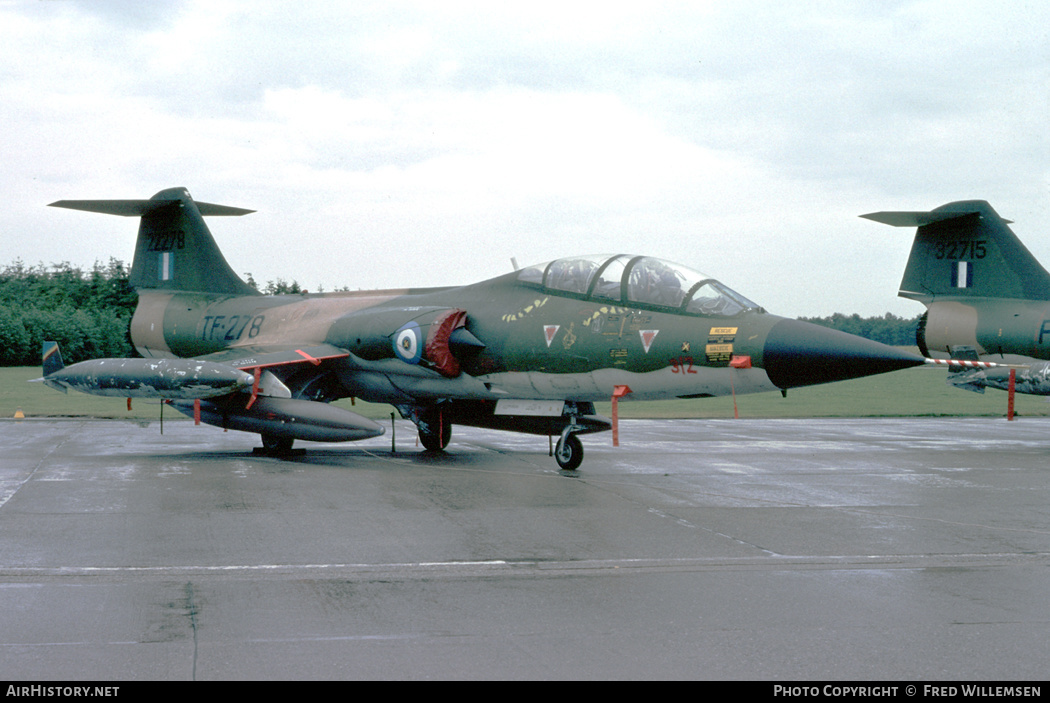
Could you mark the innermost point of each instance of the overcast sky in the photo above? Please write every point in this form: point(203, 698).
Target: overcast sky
point(401, 143)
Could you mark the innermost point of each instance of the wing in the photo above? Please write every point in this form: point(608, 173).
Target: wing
point(310, 381)
point(253, 357)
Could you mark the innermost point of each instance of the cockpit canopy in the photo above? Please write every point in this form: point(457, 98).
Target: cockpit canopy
point(627, 280)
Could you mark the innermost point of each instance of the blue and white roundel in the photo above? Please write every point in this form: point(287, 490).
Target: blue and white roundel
point(408, 343)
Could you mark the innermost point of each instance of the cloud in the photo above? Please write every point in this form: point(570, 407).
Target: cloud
point(393, 143)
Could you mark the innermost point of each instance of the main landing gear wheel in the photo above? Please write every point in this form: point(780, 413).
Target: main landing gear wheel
point(568, 452)
point(437, 434)
point(272, 444)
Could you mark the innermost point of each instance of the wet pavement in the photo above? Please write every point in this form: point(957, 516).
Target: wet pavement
point(716, 549)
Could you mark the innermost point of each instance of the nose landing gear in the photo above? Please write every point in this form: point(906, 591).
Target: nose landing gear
point(568, 452)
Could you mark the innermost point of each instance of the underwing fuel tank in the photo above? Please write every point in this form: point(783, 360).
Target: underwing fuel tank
point(169, 379)
point(1033, 380)
point(285, 418)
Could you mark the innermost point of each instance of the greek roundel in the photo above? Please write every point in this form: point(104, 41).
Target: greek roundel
point(408, 343)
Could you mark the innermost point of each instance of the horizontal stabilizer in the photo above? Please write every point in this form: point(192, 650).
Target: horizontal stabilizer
point(966, 250)
point(174, 249)
point(921, 219)
point(912, 219)
point(138, 208)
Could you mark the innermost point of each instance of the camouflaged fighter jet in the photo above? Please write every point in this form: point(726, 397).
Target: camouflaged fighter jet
point(987, 298)
point(529, 351)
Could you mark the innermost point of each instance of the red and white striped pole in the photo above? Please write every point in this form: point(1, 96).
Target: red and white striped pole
point(966, 363)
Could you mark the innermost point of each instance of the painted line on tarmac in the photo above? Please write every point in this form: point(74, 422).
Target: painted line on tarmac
point(522, 568)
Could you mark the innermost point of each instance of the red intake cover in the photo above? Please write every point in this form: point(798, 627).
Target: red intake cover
point(437, 350)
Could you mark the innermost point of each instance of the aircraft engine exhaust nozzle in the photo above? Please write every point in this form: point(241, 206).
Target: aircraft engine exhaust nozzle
point(285, 418)
point(800, 353)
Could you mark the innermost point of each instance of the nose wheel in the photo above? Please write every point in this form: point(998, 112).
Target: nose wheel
point(568, 452)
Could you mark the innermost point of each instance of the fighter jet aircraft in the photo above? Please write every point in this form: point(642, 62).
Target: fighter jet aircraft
point(987, 298)
point(529, 351)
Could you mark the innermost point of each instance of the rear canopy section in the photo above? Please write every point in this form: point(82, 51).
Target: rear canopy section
point(632, 280)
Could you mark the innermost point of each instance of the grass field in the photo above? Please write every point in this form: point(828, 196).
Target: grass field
point(919, 392)
point(912, 392)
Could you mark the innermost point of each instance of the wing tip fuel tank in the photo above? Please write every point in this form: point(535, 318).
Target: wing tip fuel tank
point(170, 379)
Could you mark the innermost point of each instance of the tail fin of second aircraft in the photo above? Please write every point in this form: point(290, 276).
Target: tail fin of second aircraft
point(175, 250)
point(964, 249)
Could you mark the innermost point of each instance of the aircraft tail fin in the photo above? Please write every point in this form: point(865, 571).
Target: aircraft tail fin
point(965, 249)
point(52, 358)
point(175, 250)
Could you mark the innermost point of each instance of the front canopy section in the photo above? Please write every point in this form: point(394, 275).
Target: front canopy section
point(638, 280)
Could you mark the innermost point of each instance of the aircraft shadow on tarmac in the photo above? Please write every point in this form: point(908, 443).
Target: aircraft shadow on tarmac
point(351, 458)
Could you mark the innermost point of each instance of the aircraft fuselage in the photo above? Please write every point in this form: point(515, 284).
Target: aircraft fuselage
point(537, 345)
point(992, 326)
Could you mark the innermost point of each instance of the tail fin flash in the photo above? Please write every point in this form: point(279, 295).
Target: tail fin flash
point(52, 358)
point(175, 250)
point(52, 362)
point(965, 249)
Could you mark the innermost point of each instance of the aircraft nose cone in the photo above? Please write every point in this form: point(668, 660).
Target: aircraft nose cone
point(803, 354)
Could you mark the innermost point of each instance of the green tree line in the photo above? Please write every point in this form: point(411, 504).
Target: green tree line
point(888, 329)
point(86, 312)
